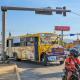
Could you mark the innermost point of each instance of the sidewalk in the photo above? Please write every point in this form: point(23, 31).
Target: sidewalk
point(9, 72)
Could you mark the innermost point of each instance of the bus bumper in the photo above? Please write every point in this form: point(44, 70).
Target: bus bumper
point(55, 59)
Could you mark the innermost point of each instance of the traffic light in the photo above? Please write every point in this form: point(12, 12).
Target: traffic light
point(44, 11)
point(61, 10)
point(58, 10)
point(64, 13)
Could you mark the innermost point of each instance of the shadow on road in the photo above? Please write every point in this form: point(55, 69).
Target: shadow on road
point(30, 64)
point(51, 75)
point(30, 75)
point(33, 71)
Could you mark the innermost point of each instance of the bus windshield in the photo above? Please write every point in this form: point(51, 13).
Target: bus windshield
point(47, 38)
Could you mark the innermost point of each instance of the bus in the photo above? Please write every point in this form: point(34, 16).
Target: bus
point(40, 47)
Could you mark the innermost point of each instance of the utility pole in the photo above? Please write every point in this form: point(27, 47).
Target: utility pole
point(62, 37)
point(3, 34)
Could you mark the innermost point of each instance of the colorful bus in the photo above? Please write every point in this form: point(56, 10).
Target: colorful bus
point(40, 47)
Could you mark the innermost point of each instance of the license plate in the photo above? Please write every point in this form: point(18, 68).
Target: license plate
point(52, 58)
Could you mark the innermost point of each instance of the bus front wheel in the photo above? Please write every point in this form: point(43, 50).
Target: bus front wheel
point(15, 56)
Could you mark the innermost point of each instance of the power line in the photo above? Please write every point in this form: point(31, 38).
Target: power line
point(75, 13)
point(73, 34)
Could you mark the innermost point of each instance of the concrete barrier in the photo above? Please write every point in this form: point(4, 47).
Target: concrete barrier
point(9, 71)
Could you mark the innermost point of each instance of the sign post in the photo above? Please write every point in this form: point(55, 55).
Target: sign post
point(62, 28)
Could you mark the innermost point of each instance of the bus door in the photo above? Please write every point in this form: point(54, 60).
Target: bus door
point(9, 44)
point(36, 54)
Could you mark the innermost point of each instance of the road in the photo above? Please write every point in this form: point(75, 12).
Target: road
point(32, 71)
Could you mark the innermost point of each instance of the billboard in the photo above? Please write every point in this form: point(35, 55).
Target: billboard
point(62, 28)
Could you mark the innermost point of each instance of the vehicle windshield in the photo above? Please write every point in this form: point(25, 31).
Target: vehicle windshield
point(47, 38)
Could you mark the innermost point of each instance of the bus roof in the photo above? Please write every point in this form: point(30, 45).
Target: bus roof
point(30, 35)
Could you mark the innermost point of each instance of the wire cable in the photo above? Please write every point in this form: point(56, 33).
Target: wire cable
point(75, 13)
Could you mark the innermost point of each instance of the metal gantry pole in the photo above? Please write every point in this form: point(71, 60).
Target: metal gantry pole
point(3, 35)
point(62, 37)
point(5, 8)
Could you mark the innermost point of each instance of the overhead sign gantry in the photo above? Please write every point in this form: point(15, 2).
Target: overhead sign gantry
point(45, 11)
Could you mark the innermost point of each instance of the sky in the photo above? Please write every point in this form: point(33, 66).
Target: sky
point(23, 22)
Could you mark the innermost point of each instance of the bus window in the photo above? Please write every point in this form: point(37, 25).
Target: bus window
point(29, 41)
point(48, 38)
point(23, 41)
point(7, 43)
point(16, 42)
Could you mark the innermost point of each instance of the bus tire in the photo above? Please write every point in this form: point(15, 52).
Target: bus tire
point(44, 59)
point(15, 56)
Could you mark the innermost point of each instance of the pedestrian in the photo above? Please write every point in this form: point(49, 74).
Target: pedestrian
point(70, 63)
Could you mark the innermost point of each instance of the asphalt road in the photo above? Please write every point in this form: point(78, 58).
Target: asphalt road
point(32, 71)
